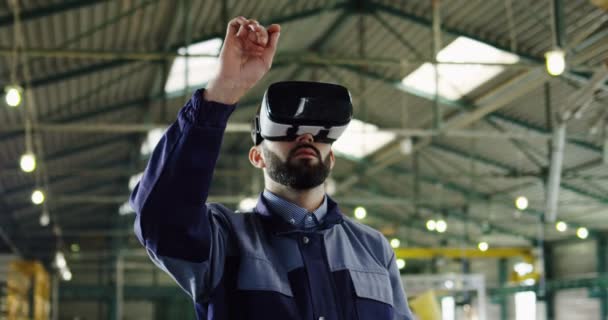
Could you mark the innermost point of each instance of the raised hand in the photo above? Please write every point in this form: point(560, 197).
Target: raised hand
point(246, 57)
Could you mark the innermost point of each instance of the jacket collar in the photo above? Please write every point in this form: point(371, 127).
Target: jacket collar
point(278, 225)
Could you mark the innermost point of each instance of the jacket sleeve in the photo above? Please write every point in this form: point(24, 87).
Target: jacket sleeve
point(182, 235)
point(400, 305)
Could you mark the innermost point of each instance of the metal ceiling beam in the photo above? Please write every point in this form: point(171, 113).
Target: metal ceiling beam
point(66, 75)
point(118, 128)
point(121, 62)
point(104, 110)
point(396, 83)
point(29, 210)
point(499, 97)
point(106, 127)
point(530, 211)
point(319, 44)
point(42, 12)
point(483, 106)
point(103, 172)
point(452, 212)
point(427, 23)
point(503, 166)
point(283, 57)
point(139, 102)
point(87, 33)
point(409, 221)
point(507, 203)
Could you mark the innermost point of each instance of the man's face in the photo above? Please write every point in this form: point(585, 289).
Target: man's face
point(300, 164)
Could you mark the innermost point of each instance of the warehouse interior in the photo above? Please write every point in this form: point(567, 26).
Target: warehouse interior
point(479, 149)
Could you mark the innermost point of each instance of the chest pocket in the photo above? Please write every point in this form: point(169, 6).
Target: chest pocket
point(373, 285)
point(257, 273)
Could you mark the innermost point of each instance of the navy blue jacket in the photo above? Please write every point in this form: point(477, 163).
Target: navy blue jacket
point(254, 265)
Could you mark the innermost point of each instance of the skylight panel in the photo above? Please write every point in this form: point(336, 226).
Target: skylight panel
point(457, 80)
point(361, 139)
point(200, 69)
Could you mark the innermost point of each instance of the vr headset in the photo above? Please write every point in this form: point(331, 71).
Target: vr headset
point(293, 108)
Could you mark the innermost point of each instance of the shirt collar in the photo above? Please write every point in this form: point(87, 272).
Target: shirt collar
point(294, 214)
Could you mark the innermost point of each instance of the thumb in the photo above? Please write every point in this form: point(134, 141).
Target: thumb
point(274, 39)
point(272, 47)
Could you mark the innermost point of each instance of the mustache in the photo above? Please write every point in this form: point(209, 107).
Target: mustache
point(302, 146)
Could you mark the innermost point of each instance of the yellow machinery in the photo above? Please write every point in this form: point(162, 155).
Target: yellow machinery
point(27, 281)
point(473, 253)
point(425, 306)
point(428, 253)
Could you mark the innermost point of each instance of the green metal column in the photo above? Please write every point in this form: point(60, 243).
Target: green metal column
point(466, 269)
point(602, 270)
point(503, 276)
point(549, 294)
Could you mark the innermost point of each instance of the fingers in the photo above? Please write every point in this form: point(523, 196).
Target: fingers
point(251, 30)
point(234, 26)
point(274, 28)
point(275, 31)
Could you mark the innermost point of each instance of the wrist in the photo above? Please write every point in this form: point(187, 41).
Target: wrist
point(223, 91)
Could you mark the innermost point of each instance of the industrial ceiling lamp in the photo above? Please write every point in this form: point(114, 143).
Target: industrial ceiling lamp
point(28, 162)
point(441, 226)
point(360, 213)
point(395, 243)
point(582, 233)
point(45, 219)
point(400, 264)
point(13, 95)
point(483, 246)
point(521, 203)
point(37, 197)
point(555, 61)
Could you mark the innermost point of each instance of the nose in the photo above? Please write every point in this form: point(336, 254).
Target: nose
point(307, 137)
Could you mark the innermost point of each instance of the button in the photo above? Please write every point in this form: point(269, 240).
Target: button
point(321, 318)
point(292, 221)
point(305, 240)
point(309, 218)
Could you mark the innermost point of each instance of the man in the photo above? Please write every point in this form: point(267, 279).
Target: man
point(295, 256)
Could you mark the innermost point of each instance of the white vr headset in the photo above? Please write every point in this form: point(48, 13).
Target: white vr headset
point(293, 108)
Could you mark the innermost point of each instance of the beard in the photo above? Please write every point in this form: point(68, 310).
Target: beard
point(298, 174)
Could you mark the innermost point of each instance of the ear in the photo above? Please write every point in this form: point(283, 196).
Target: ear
point(332, 158)
point(256, 158)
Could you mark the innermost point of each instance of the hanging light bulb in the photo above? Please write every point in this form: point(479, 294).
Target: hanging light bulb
point(60, 260)
point(45, 219)
point(582, 233)
point(37, 197)
point(13, 96)
point(483, 246)
point(555, 61)
point(360, 213)
point(561, 226)
point(521, 203)
point(28, 162)
point(66, 275)
point(395, 243)
point(441, 226)
point(400, 264)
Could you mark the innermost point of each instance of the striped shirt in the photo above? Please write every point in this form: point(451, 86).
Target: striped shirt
point(295, 214)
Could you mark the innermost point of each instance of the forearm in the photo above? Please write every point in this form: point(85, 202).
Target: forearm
point(169, 199)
